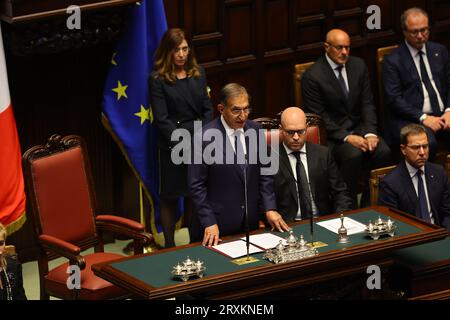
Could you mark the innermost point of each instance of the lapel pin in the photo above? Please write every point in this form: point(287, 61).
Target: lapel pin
point(436, 54)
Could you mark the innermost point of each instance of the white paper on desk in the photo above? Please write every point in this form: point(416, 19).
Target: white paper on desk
point(236, 249)
point(352, 226)
point(265, 240)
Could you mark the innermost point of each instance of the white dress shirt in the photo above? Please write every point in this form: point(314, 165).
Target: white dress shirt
point(231, 133)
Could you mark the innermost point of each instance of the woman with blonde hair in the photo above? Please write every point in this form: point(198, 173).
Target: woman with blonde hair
point(11, 283)
point(178, 97)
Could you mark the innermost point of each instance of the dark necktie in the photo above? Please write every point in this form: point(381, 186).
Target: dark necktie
point(424, 213)
point(342, 81)
point(239, 148)
point(303, 187)
point(427, 82)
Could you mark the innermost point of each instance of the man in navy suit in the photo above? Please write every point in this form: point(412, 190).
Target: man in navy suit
point(416, 79)
point(217, 180)
point(417, 186)
point(337, 88)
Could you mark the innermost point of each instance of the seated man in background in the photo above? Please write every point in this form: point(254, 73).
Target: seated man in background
point(416, 80)
point(217, 184)
point(417, 186)
point(308, 180)
point(337, 88)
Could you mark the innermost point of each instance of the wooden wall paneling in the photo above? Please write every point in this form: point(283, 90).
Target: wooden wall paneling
point(277, 21)
point(239, 31)
point(174, 13)
point(275, 81)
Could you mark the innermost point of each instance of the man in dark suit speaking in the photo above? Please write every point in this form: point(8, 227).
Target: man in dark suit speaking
point(416, 80)
point(337, 88)
point(417, 186)
point(319, 189)
point(216, 178)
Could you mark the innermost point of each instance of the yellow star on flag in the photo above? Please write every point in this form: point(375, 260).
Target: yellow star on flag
point(145, 114)
point(112, 59)
point(120, 91)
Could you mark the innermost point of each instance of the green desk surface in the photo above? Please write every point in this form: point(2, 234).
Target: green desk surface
point(424, 254)
point(155, 269)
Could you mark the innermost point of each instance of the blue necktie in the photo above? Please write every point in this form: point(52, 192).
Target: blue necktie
point(434, 102)
point(303, 187)
point(342, 81)
point(424, 213)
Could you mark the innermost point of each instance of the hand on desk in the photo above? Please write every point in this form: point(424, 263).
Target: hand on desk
point(211, 236)
point(276, 221)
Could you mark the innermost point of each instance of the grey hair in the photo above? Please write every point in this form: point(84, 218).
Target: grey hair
point(406, 13)
point(411, 129)
point(232, 90)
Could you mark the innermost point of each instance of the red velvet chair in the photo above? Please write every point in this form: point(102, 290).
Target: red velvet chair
point(60, 189)
point(315, 131)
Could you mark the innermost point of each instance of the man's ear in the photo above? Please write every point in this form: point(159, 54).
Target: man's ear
point(220, 108)
point(403, 149)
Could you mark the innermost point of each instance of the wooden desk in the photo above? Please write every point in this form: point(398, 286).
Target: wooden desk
point(423, 271)
point(148, 276)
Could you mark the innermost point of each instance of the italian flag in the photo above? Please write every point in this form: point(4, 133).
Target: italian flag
point(12, 194)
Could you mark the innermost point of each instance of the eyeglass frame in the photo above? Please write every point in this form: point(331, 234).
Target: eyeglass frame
point(339, 48)
point(415, 32)
point(237, 111)
point(292, 133)
point(186, 50)
point(416, 147)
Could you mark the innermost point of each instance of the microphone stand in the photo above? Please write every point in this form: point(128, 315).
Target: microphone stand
point(247, 228)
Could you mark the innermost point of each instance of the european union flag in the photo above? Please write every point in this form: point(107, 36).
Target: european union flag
point(127, 113)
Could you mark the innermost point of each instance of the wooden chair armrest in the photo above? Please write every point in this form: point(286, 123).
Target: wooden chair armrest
point(62, 248)
point(126, 227)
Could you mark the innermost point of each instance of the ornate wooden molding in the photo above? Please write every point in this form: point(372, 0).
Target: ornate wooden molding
point(50, 36)
point(13, 11)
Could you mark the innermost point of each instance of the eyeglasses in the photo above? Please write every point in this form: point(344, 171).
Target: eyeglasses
point(416, 147)
point(416, 32)
point(339, 48)
point(293, 132)
point(182, 49)
point(237, 111)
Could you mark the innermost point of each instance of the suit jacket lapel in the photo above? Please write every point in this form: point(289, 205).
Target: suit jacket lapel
point(430, 179)
point(409, 188)
point(286, 170)
point(411, 68)
point(312, 169)
point(329, 74)
point(433, 60)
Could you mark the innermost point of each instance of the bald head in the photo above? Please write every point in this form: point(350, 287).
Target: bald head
point(293, 128)
point(293, 115)
point(337, 46)
point(337, 35)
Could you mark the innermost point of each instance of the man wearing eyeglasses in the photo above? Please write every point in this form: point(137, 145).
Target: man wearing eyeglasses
point(319, 189)
point(417, 186)
point(416, 80)
point(337, 88)
point(217, 184)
